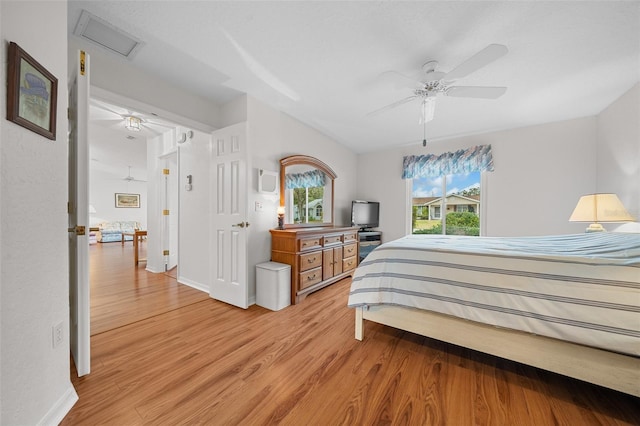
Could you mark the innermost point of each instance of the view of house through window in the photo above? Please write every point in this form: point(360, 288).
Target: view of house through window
point(456, 214)
point(307, 204)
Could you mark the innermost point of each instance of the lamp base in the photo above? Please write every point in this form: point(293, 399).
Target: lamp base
point(281, 222)
point(595, 227)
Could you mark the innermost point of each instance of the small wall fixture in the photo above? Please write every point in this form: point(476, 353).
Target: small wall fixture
point(132, 123)
point(598, 208)
point(184, 136)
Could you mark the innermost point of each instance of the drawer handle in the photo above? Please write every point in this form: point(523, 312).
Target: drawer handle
point(309, 278)
point(311, 260)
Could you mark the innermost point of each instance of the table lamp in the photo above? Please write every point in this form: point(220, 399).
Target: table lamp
point(281, 217)
point(597, 208)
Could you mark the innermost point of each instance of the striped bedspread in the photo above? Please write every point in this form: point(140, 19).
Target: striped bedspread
point(580, 288)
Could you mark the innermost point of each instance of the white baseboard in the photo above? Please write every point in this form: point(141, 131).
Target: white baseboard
point(153, 271)
point(194, 284)
point(61, 408)
point(205, 288)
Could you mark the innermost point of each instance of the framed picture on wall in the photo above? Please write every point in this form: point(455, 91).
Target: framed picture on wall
point(131, 201)
point(32, 93)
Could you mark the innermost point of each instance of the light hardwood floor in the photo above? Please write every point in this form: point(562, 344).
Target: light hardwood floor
point(122, 293)
point(206, 362)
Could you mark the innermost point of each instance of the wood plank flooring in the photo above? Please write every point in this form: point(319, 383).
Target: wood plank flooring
point(122, 293)
point(209, 363)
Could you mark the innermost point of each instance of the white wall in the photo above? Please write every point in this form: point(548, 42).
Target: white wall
point(117, 76)
point(540, 172)
point(193, 245)
point(34, 292)
point(273, 135)
point(102, 190)
point(618, 154)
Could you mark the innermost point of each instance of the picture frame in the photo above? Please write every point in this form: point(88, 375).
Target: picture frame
point(128, 201)
point(32, 93)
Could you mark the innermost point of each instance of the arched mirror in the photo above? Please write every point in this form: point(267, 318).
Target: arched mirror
point(306, 192)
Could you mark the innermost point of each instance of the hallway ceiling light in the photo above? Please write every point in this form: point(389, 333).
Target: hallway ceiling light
point(132, 123)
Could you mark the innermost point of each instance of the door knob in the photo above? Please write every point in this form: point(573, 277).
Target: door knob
point(242, 224)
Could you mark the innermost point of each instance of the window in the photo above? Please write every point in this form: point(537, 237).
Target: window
point(304, 200)
point(461, 204)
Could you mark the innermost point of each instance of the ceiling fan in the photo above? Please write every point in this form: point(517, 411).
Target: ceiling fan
point(436, 83)
point(117, 117)
point(130, 178)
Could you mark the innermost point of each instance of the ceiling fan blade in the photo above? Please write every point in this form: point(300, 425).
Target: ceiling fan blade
point(477, 61)
point(476, 92)
point(391, 106)
point(400, 81)
point(118, 111)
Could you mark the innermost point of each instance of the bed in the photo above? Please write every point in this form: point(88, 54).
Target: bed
point(567, 303)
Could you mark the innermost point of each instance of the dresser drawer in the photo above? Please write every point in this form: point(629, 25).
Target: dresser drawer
point(309, 243)
point(310, 260)
point(350, 236)
point(350, 250)
point(332, 239)
point(310, 277)
point(349, 263)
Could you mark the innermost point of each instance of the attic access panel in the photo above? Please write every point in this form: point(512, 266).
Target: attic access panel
point(107, 36)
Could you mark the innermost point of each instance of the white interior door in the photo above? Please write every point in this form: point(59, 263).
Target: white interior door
point(79, 214)
point(229, 216)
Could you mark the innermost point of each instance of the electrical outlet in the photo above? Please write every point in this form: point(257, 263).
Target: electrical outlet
point(58, 334)
point(258, 206)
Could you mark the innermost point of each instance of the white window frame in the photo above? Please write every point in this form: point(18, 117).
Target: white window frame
point(484, 187)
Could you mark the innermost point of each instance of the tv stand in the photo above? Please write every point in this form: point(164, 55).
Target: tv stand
point(367, 241)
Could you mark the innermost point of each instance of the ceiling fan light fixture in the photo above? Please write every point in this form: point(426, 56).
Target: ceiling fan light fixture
point(132, 123)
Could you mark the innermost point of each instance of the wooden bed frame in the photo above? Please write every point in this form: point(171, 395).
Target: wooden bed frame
point(608, 369)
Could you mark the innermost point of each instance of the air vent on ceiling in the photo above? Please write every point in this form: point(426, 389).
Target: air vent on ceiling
point(130, 137)
point(102, 33)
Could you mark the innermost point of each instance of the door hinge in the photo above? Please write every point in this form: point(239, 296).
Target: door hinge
point(165, 252)
point(165, 212)
point(69, 207)
point(82, 62)
point(165, 171)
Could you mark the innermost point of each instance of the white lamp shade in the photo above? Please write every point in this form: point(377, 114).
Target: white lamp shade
point(600, 208)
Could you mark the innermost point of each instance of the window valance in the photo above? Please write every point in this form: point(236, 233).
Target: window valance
point(310, 179)
point(474, 159)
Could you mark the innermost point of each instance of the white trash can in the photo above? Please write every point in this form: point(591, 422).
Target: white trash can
point(273, 285)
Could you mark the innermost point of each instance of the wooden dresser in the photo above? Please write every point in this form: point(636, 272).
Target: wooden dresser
point(318, 256)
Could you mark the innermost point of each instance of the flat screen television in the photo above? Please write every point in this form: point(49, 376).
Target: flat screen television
point(365, 214)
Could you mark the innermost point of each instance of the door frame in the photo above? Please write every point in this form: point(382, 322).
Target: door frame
point(116, 99)
point(78, 210)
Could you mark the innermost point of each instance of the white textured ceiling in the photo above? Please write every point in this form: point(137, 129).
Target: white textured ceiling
point(321, 61)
